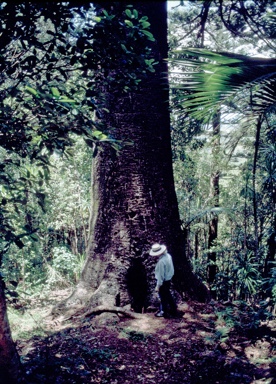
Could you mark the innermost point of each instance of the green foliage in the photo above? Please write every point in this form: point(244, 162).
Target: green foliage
point(224, 75)
point(55, 65)
point(23, 196)
point(135, 336)
point(64, 268)
point(269, 285)
point(53, 255)
point(215, 79)
point(241, 316)
point(125, 59)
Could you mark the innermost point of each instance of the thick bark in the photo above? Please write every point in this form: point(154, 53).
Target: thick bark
point(134, 200)
point(9, 359)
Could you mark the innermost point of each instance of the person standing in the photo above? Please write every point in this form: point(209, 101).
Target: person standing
point(164, 272)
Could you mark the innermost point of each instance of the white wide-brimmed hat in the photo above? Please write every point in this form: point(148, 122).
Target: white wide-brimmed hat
point(157, 249)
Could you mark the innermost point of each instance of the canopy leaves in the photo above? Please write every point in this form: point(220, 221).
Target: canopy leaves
point(54, 64)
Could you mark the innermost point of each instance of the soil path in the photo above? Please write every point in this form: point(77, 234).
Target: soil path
point(195, 348)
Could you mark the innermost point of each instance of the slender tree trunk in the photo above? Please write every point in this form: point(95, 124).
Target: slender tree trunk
point(255, 202)
point(213, 224)
point(9, 360)
point(196, 245)
point(133, 195)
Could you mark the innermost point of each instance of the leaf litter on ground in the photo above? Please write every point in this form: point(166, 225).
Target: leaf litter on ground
point(115, 350)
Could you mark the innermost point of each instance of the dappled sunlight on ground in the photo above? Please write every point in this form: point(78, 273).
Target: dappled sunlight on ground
point(113, 349)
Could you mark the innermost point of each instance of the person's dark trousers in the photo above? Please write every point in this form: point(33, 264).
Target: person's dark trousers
point(167, 301)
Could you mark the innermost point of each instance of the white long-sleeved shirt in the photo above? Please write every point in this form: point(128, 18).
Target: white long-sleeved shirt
point(164, 269)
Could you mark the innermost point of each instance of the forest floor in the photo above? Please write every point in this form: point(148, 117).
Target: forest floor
point(197, 347)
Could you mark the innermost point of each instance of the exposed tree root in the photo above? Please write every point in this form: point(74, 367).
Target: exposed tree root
point(112, 309)
point(82, 312)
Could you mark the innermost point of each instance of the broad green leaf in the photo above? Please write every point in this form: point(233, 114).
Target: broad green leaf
point(148, 34)
point(66, 100)
point(128, 13)
point(31, 90)
point(124, 47)
point(145, 24)
point(129, 23)
point(149, 62)
point(97, 133)
point(135, 13)
point(55, 92)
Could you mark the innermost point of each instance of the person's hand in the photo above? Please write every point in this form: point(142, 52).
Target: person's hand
point(157, 288)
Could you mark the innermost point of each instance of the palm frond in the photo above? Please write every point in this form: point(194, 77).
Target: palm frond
point(212, 79)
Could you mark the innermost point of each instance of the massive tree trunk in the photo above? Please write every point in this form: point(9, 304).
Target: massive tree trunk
point(133, 200)
point(9, 359)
